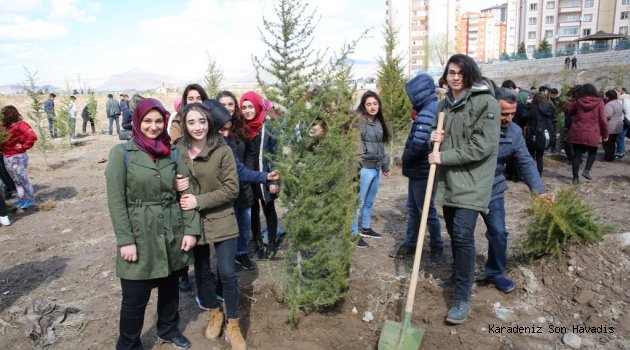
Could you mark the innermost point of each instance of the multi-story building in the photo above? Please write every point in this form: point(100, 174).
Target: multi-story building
point(481, 36)
point(427, 31)
point(562, 22)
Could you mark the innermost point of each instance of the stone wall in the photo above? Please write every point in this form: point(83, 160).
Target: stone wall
point(554, 64)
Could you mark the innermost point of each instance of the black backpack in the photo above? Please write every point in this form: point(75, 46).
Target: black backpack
point(538, 133)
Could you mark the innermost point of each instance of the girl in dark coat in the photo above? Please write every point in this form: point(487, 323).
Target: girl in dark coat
point(539, 123)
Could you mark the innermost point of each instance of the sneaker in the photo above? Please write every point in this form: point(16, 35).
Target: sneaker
point(184, 285)
point(27, 204)
point(369, 233)
point(619, 156)
point(587, 174)
point(503, 284)
point(435, 256)
point(458, 313)
point(201, 306)
point(361, 243)
point(402, 251)
point(269, 254)
point(178, 341)
point(4, 221)
point(18, 204)
point(576, 181)
point(244, 262)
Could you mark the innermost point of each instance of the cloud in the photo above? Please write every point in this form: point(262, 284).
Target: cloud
point(13, 6)
point(74, 10)
point(17, 27)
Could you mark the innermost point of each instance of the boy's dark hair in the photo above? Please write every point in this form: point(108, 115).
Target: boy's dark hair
point(508, 84)
point(52, 95)
point(472, 74)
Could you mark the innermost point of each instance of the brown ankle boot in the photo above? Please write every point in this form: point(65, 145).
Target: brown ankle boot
point(216, 323)
point(234, 336)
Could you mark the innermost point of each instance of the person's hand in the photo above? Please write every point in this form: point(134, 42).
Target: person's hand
point(188, 202)
point(129, 253)
point(188, 243)
point(273, 176)
point(437, 136)
point(386, 173)
point(273, 189)
point(605, 140)
point(434, 158)
point(549, 196)
point(181, 183)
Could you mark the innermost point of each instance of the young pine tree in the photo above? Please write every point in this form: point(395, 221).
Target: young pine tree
point(213, 77)
point(317, 179)
point(37, 115)
point(391, 84)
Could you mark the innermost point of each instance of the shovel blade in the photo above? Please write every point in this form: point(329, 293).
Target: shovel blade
point(397, 336)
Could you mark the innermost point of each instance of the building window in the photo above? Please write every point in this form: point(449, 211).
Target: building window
point(625, 2)
point(549, 20)
point(551, 5)
point(548, 33)
point(531, 48)
point(586, 32)
point(531, 35)
point(587, 18)
point(531, 21)
point(533, 7)
point(625, 15)
point(588, 3)
point(623, 30)
point(568, 31)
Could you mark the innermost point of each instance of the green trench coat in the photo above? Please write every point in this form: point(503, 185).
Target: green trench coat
point(144, 209)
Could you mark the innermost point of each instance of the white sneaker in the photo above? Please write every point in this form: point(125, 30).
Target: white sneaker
point(4, 220)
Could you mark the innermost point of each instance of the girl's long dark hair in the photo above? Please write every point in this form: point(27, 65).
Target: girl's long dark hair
point(239, 129)
point(196, 87)
point(212, 133)
point(379, 114)
point(10, 115)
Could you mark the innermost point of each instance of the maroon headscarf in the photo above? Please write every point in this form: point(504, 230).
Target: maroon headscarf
point(255, 124)
point(155, 148)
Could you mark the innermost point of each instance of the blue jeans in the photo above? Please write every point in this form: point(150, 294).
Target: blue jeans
point(206, 279)
point(460, 224)
point(369, 181)
point(621, 143)
point(113, 120)
point(244, 220)
point(415, 201)
point(497, 238)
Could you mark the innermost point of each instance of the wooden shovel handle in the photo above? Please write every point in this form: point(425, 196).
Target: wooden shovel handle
point(423, 223)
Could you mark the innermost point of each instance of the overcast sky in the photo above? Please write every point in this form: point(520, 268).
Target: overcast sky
point(61, 39)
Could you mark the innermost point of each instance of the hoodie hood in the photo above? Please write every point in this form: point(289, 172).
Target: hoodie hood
point(421, 91)
point(546, 109)
point(220, 114)
point(588, 103)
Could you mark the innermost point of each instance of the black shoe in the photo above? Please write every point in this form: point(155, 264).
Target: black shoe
point(245, 262)
point(184, 285)
point(576, 181)
point(361, 243)
point(587, 174)
point(435, 256)
point(403, 251)
point(178, 341)
point(369, 233)
point(269, 254)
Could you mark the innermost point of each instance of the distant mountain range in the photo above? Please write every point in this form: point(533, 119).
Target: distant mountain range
point(141, 80)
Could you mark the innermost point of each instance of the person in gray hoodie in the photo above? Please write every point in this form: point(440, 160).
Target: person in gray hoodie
point(374, 133)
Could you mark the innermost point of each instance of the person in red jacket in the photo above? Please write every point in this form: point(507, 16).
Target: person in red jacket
point(588, 127)
point(21, 139)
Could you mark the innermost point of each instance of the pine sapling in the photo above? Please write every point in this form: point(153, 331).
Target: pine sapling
point(552, 226)
point(37, 115)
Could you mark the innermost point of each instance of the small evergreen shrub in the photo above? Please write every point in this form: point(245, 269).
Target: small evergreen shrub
point(553, 226)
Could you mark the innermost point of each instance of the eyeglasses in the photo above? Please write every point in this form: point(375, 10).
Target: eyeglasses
point(452, 73)
point(507, 114)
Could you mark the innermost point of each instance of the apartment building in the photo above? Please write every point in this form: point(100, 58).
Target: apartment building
point(427, 31)
point(481, 36)
point(562, 22)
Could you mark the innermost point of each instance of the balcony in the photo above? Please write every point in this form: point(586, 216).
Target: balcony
point(570, 8)
point(568, 23)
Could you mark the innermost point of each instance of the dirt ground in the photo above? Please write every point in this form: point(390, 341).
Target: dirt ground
point(64, 251)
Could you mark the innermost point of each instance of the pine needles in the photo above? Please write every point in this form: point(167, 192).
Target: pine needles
point(552, 226)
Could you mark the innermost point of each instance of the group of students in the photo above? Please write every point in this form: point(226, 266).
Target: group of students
point(172, 203)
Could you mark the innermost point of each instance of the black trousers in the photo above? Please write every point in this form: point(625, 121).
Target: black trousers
point(9, 185)
point(269, 209)
point(135, 296)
